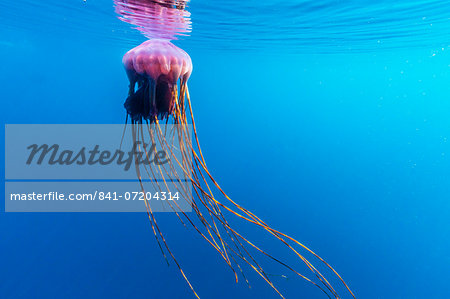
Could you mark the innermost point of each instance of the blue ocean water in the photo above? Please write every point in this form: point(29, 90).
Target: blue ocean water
point(327, 119)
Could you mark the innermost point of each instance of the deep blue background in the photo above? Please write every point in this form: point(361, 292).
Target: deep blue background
point(349, 153)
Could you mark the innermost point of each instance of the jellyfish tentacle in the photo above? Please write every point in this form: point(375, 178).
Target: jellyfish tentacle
point(271, 257)
point(150, 214)
point(203, 191)
point(307, 263)
point(146, 202)
point(161, 71)
point(265, 253)
point(123, 132)
point(219, 219)
point(263, 275)
point(214, 207)
point(258, 221)
point(216, 230)
point(131, 87)
point(222, 215)
point(215, 245)
point(152, 97)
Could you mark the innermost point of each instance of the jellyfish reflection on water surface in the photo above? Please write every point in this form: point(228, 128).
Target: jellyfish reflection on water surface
point(158, 72)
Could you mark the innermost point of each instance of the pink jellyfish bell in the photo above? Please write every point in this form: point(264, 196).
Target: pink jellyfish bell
point(157, 66)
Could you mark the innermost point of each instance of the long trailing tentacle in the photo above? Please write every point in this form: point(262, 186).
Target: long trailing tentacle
point(252, 218)
point(199, 170)
point(197, 185)
point(153, 219)
point(231, 245)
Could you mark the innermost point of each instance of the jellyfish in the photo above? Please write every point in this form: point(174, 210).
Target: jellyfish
point(155, 66)
point(158, 72)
